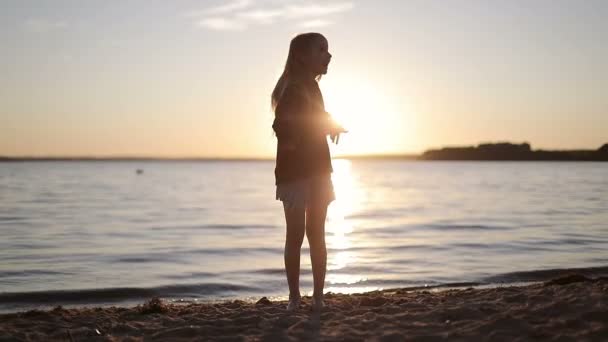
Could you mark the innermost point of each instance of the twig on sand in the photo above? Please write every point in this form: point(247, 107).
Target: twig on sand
point(70, 335)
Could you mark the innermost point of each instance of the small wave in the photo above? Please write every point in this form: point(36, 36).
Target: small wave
point(117, 294)
point(58, 258)
point(135, 234)
point(27, 273)
point(273, 271)
point(415, 247)
point(191, 275)
point(180, 256)
point(570, 241)
point(12, 218)
point(31, 245)
point(472, 245)
point(159, 257)
point(235, 251)
point(365, 269)
point(359, 269)
point(376, 231)
point(383, 213)
point(138, 260)
point(436, 285)
point(439, 226)
point(401, 283)
point(238, 226)
point(598, 260)
point(39, 200)
point(213, 227)
point(407, 285)
point(398, 229)
point(544, 275)
point(514, 277)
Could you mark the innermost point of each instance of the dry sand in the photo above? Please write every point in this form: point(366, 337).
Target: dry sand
point(572, 308)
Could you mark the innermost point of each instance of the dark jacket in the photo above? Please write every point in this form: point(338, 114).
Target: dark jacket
point(301, 125)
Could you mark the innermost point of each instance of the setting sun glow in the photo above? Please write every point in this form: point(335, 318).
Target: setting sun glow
point(375, 125)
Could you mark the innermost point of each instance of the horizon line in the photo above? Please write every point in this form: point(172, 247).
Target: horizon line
point(402, 155)
point(196, 158)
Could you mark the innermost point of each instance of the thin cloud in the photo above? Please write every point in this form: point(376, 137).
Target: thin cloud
point(263, 16)
point(316, 10)
point(38, 25)
point(229, 7)
point(241, 14)
point(222, 24)
point(314, 23)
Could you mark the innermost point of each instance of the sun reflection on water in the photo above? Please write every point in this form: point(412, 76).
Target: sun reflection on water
point(339, 228)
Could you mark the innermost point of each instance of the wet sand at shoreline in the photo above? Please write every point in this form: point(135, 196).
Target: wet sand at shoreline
point(569, 308)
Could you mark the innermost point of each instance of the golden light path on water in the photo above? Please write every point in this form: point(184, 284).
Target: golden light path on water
point(338, 228)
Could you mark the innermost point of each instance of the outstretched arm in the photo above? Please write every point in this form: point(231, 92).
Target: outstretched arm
point(292, 120)
point(334, 129)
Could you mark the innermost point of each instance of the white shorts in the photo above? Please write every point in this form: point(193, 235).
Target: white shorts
point(303, 192)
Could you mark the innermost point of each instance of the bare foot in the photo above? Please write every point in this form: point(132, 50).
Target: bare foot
point(294, 303)
point(317, 303)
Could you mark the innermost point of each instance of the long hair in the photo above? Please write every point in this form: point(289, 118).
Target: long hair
point(295, 69)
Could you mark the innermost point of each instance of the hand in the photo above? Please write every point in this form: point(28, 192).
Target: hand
point(335, 132)
point(335, 129)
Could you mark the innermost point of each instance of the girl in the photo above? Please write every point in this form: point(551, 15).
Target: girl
point(303, 163)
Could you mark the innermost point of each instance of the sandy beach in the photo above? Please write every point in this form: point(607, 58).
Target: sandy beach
point(569, 308)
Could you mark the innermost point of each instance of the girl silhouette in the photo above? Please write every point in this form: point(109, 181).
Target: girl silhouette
point(303, 162)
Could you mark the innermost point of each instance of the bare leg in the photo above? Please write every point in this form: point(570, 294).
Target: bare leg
point(295, 219)
point(315, 232)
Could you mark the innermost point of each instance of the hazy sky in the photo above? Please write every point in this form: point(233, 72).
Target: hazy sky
point(193, 78)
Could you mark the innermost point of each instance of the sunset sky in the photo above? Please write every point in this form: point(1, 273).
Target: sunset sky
point(193, 78)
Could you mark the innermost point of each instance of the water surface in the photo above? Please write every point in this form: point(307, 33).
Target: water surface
point(96, 232)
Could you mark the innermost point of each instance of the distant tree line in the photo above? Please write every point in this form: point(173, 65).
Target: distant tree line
point(509, 151)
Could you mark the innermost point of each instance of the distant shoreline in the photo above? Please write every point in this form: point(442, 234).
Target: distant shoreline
point(506, 151)
point(125, 159)
point(202, 159)
point(482, 152)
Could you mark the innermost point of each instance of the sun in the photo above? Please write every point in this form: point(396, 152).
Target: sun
point(374, 124)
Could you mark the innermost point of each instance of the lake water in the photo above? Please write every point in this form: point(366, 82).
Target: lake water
point(98, 233)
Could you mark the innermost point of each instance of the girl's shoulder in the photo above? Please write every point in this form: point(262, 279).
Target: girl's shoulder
point(303, 88)
point(296, 89)
point(296, 86)
point(300, 93)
